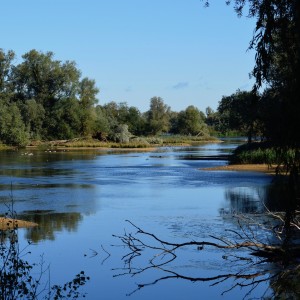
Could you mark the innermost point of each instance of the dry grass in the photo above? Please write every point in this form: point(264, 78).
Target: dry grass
point(8, 223)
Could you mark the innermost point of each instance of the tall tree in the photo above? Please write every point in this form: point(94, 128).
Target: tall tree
point(212, 119)
point(101, 126)
point(158, 116)
point(135, 121)
point(111, 112)
point(87, 99)
point(5, 69)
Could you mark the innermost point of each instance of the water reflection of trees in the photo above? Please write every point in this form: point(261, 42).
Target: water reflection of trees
point(244, 200)
point(249, 200)
point(19, 157)
point(49, 223)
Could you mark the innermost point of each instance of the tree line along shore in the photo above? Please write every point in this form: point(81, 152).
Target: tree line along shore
point(46, 103)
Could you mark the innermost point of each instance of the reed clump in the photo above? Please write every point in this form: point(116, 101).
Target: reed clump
point(263, 153)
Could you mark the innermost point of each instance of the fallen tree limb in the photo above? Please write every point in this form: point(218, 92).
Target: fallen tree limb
point(159, 254)
point(136, 244)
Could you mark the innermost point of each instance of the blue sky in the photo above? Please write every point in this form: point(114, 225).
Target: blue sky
point(137, 49)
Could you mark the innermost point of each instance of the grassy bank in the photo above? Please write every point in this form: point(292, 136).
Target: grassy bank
point(262, 153)
point(134, 143)
point(186, 140)
point(5, 147)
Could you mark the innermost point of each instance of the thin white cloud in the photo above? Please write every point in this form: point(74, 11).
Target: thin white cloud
point(180, 85)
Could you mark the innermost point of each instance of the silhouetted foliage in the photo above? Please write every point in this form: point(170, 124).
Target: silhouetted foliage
point(240, 112)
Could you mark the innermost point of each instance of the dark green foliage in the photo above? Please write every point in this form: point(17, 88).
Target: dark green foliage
point(240, 112)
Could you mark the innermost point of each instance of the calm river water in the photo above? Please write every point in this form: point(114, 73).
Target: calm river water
point(80, 199)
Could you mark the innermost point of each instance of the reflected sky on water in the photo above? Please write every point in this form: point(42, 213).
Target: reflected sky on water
point(81, 198)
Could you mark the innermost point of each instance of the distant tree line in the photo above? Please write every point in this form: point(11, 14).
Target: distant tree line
point(45, 99)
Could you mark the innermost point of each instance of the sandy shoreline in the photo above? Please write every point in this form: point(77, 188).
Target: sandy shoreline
point(264, 168)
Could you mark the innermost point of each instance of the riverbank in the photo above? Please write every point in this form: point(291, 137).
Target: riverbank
point(137, 144)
